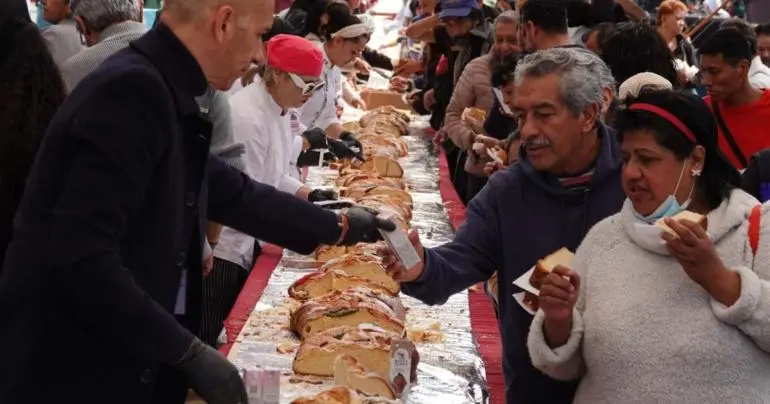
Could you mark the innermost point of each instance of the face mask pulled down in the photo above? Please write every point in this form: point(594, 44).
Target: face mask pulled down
point(648, 235)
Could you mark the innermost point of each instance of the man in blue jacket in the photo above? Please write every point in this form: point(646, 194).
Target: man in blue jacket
point(567, 179)
point(100, 293)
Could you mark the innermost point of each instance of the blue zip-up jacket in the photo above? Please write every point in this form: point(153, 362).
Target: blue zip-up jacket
point(521, 215)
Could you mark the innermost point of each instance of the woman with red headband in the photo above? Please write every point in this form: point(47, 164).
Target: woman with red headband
point(681, 315)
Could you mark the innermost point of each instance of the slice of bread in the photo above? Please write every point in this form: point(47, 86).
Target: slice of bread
point(322, 282)
point(335, 395)
point(476, 113)
point(363, 265)
point(544, 266)
point(684, 215)
point(349, 372)
point(384, 166)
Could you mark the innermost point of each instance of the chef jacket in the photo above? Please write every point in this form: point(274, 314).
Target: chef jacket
point(320, 110)
point(113, 212)
point(271, 138)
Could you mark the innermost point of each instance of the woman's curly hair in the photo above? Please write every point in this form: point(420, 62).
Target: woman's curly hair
point(30, 93)
point(635, 48)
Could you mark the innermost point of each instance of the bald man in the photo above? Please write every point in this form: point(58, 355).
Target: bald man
point(101, 288)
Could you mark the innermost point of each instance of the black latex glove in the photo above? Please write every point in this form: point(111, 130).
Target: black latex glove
point(318, 195)
point(349, 139)
point(310, 158)
point(343, 151)
point(212, 376)
point(363, 224)
point(316, 138)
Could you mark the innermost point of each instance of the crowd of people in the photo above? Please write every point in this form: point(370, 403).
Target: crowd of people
point(141, 171)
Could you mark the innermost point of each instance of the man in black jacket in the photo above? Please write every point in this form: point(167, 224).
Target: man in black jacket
point(100, 293)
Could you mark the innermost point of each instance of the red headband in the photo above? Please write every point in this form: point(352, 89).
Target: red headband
point(641, 106)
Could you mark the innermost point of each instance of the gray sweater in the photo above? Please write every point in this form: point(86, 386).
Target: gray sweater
point(644, 332)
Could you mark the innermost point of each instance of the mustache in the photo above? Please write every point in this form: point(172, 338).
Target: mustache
point(535, 141)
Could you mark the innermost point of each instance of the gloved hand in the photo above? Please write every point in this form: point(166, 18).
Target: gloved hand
point(342, 151)
point(315, 139)
point(212, 376)
point(318, 195)
point(361, 224)
point(349, 139)
point(310, 158)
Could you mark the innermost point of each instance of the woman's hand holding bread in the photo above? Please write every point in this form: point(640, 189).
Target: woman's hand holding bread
point(691, 246)
point(558, 295)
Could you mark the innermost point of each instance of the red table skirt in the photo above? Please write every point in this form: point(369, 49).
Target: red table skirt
point(483, 320)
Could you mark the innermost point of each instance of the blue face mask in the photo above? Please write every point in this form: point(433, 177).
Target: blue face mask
point(670, 206)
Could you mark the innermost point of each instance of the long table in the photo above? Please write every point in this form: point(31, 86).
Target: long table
point(464, 368)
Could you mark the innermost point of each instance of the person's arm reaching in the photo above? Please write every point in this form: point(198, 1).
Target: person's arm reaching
point(266, 213)
point(112, 166)
point(472, 257)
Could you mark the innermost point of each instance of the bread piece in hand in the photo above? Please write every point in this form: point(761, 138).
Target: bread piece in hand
point(349, 307)
point(544, 266)
point(335, 395)
point(363, 265)
point(476, 113)
point(683, 215)
point(322, 282)
point(349, 372)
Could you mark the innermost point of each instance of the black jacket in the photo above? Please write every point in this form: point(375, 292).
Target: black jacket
point(113, 212)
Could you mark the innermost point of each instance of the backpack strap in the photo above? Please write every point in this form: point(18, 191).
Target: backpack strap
point(754, 225)
point(728, 136)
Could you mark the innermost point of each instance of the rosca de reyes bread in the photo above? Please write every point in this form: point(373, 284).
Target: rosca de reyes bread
point(317, 354)
point(322, 282)
point(325, 253)
point(386, 203)
point(352, 177)
point(384, 166)
point(334, 395)
point(349, 372)
point(363, 265)
point(544, 266)
point(357, 191)
point(349, 307)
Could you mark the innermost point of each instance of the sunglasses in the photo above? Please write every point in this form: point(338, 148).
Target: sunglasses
point(307, 88)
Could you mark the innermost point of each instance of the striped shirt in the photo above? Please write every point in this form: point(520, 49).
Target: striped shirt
point(113, 39)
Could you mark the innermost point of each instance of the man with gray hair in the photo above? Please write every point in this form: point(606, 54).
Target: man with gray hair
point(566, 180)
point(106, 26)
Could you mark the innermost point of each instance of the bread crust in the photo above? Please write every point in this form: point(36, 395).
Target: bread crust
point(335, 395)
point(343, 307)
point(322, 282)
point(364, 265)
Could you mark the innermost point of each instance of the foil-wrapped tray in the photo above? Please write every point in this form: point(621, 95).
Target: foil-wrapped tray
point(450, 370)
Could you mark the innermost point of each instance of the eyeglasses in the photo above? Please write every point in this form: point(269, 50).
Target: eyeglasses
point(307, 88)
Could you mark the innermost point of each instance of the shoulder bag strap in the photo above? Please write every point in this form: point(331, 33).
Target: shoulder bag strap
point(728, 136)
point(754, 226)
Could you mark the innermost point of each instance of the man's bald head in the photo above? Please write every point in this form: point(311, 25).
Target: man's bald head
point(224, 36)
point(187, 9)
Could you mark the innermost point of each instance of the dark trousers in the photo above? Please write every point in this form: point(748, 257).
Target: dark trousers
point(220, 291)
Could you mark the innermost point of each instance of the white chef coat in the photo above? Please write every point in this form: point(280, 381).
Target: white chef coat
point(272, 142)
point(320, 110)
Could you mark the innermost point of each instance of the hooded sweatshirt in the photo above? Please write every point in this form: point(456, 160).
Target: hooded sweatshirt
point(521, 216)
point(644, 332)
